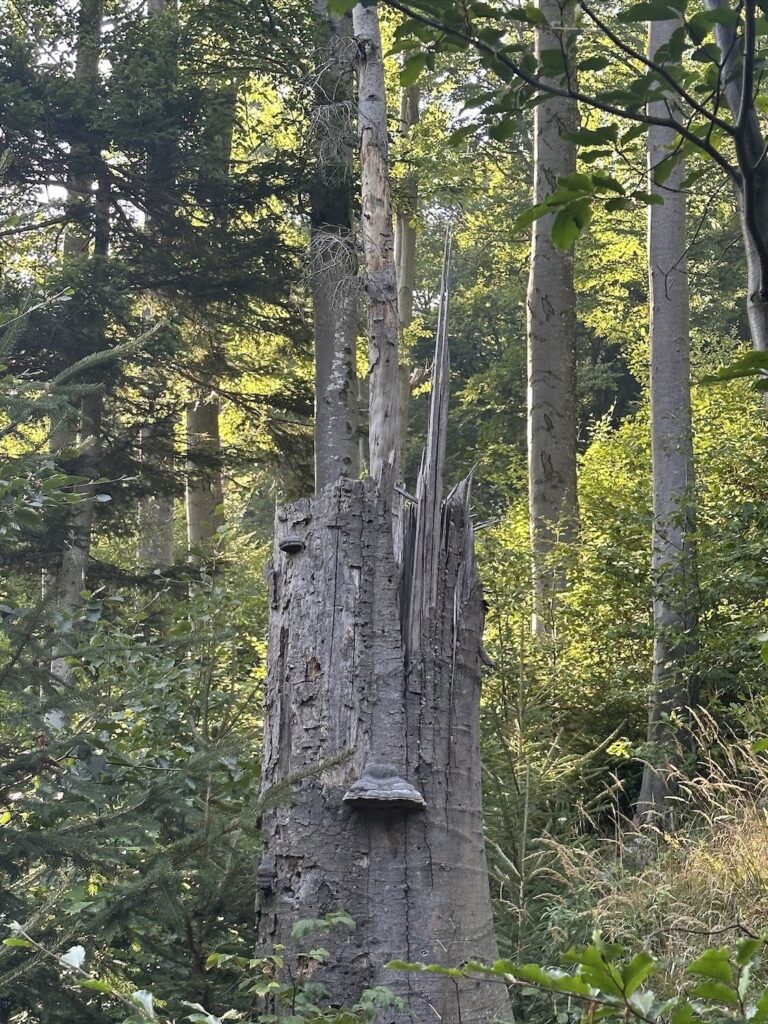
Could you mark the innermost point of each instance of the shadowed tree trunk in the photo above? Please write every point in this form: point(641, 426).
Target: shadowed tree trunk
point(333, 273)
point(155, 542)
point(551, 306)
point(204, 487)
point(673, 558)
point(378, 245)
point(752, 150)
point(372, 720)
point(405, 256)
point(82, 426)
point(156, 438)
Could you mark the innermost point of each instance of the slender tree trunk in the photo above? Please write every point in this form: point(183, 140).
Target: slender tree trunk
point(155, 541)
point(71, 576)
point(67, 581)
point(204, 485)
point(551, 306)
point(752, 189)
point(371, 739)
point(405, 256)
point(154, 549)
point(333, 258)
point(378, 245)
point(673, 554)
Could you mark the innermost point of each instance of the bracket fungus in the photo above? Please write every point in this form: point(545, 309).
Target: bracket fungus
point(291, 544)
point(380, 788)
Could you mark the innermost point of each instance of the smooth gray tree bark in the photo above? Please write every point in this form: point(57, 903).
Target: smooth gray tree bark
point(405, 255)
point(551, 305)
point(333, 258)
point(673, 550)
point(378, 246)
point(374, 673)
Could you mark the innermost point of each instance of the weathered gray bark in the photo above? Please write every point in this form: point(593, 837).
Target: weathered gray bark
point(204, 484)
point(752, 155)
point(673, 555)
point(333, 274)
point(378, 245)
point(551, 304)
point(155, 539)
point(405, 255)
point(371, 661)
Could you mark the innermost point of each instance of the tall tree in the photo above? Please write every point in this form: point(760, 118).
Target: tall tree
point(333, 260)
point(551, 303)
point(156, 438)
point(673, 569)
point(70, 574)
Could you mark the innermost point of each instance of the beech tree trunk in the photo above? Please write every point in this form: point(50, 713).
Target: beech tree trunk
point(205, 492)
point(752, 189)
point(333, 273)
point(551, 304)
point(373, 688)
point(673, 555)
point(378, 245)
point(405, 256)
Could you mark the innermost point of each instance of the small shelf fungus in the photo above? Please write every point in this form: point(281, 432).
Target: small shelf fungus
point(380, 787)
point(266, 873)
point(291, 544)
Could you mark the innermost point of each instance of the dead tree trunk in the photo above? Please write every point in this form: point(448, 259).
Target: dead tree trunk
point(372, 723)
point(378, 245)
point(333, 270)
point(551, 303)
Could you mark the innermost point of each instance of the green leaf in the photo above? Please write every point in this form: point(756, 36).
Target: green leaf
point(715, 964)
point(503, 130)
point(636, 971)
point(747, 948)
point(95, 985)
point(649, 10)
point(412, 68)
point(27, 517)
point(594, 64)
point(21, 943)
point(717, 991)
point(405, 965)
point(340, 6)
point(570, 222)
point(751, 364)
point(530, 215)
point(757, 748)
point(663, 169)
